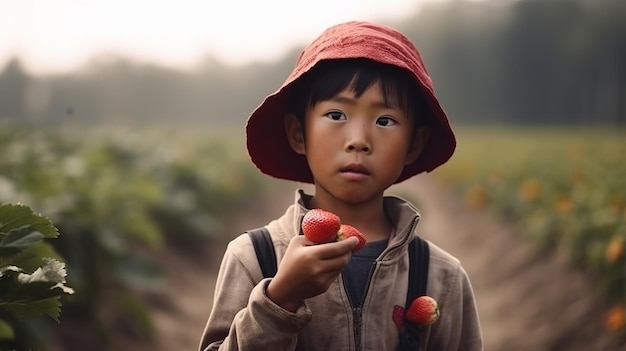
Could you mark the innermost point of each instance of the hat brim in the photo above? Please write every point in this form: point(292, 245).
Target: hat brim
point(269, 149)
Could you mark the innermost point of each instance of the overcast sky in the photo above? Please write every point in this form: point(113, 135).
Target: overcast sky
point(60, 35)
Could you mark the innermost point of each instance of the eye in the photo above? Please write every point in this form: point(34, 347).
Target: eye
point(336, 115)
point(386, 121)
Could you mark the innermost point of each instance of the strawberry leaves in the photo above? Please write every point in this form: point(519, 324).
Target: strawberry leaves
point(17, 240)
point(15, 216)
point(32, 280)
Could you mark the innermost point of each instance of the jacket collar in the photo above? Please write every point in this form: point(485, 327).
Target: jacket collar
point(402, 214)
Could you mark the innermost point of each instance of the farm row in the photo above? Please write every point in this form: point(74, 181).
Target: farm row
point(117, 197)
point(564, 190)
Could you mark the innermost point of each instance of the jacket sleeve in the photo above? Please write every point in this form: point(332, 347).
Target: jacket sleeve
point(243, 317)
point(458, 327)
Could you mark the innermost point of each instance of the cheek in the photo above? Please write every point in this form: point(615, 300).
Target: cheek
point(319, 132)
point(397, 149)
point(320, 140)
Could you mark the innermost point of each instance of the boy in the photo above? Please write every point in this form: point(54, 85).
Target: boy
point(357, 115)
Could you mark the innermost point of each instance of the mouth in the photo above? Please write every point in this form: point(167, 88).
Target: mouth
point(355, 168)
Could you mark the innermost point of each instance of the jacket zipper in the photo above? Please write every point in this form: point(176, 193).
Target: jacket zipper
point(358, 311)
point(356, 314)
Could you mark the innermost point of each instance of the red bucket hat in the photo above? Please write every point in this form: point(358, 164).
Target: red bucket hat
point(266, 139)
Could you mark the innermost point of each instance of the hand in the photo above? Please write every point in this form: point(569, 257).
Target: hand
point(307, 270)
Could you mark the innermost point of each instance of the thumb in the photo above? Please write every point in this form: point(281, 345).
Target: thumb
point(349, 243)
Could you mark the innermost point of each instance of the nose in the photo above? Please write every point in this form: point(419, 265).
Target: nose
point(358, 140)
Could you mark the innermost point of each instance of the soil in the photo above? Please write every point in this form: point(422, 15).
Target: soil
point(526, 301)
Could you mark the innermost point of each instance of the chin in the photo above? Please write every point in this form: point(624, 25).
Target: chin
point(355, 196)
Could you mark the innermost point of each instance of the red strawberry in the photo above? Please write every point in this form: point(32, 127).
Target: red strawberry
point(320, 226)
point(346, 231)
point(422, 311)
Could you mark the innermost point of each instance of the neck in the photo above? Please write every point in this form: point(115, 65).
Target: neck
point(368, 217)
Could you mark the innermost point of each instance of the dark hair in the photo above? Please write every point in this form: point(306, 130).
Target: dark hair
point(328, 78)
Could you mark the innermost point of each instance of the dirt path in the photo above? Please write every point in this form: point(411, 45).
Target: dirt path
point(524, 303)
point(181, 308)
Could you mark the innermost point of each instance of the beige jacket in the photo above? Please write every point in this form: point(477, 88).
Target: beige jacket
point(243, 318)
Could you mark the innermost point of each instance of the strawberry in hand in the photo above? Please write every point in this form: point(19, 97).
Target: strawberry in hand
point(346, 231)
point(320, 226)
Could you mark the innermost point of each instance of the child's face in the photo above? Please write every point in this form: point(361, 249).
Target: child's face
point(356, 147)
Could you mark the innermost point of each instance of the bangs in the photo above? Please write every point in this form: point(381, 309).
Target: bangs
point(328, 78)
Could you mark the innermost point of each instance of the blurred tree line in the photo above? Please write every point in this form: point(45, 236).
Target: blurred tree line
point(503, 61)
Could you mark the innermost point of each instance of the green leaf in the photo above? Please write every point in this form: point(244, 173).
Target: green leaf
point(17, 240)
point(31, 295)
point(30, 259)
point(15, 216)
point(27, 309)
point(15, 292)
point(6, 331)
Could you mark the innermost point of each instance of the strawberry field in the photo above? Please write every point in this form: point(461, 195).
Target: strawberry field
point(564, 190)
point(117, 197)
point(120, 196)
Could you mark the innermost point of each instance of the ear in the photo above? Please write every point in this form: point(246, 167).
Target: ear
point(295, 134)
point(421, 137)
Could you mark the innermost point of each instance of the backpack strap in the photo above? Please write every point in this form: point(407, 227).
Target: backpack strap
point(264, 249)
point(419, 258)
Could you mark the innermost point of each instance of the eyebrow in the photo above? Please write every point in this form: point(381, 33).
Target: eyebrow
point(352, 101)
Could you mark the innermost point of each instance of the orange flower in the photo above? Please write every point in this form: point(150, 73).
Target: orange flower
point(615, 249)
point(563, 204)
point(618, 204)
point(530, 190)
point(615, 318)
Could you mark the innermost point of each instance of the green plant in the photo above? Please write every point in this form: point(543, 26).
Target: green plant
point(32, 276)
point(120, 197)
point(565, 190)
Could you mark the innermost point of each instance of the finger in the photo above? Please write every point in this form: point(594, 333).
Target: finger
point(335, 249)
point(302, 240)
point(335, 264)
